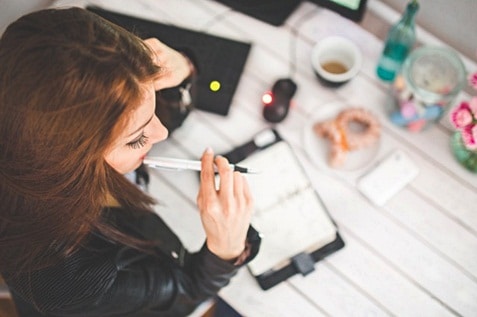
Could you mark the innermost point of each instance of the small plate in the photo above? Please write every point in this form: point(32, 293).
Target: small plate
point(318, 148)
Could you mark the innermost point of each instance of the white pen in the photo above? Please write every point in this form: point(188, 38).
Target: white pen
point(181, 164)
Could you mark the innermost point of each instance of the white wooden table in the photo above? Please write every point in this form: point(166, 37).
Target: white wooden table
point(416, 256)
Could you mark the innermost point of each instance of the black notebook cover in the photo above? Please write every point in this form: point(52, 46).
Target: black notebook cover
point(296, 226)
point(217, 59)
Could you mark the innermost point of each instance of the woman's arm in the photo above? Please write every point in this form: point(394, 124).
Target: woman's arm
point(148, 284)
point(123, 282)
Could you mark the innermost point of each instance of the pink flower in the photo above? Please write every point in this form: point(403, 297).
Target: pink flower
point(473, 80)
point(464, 118)
point(461, 116)
point(469, 136)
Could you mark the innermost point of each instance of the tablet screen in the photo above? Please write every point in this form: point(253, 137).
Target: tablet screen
point(352, 4)
point(351, 9)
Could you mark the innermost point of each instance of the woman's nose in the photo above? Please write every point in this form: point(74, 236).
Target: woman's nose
point(158, 131)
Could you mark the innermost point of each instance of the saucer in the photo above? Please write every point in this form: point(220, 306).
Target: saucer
point(318, 148)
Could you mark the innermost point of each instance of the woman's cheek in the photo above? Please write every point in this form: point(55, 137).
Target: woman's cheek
point(123, 161)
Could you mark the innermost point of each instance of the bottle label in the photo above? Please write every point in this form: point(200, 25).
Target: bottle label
point(389, 64)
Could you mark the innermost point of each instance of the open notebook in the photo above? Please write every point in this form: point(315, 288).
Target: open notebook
point(295, 226)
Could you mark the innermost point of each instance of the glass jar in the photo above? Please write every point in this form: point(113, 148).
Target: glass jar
point(465, 156)
point(430, 79)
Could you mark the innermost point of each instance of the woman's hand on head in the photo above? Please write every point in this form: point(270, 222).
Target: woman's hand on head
point(175, 66)
point(225, 212)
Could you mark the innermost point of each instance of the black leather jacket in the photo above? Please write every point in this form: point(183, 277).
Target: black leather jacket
point(104, 278)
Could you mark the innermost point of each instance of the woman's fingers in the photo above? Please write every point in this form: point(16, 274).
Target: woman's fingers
point(207, 175)
point(226, 177)
point(238, 186)
point(225, 211)
point(248, 195)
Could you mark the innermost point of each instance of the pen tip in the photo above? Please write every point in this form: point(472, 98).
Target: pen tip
point(252, 171)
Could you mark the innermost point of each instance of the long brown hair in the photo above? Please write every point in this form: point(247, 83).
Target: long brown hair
point(68, 80)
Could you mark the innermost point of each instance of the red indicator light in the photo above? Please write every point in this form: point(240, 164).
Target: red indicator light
point(267, 98)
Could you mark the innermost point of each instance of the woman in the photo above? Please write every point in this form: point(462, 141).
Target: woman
point(77, 112)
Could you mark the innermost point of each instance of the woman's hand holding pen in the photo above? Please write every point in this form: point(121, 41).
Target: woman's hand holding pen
point(225, 212)
point(176, 67)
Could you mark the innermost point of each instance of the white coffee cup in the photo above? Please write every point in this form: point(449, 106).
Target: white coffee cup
point(335, 60)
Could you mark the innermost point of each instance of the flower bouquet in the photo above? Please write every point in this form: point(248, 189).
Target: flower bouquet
point(464, 118)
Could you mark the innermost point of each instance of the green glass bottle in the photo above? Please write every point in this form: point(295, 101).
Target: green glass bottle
point(399, 42)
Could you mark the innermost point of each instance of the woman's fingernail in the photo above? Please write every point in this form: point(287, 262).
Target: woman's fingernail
point(208, 150)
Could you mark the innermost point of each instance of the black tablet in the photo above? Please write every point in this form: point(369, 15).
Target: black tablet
point(274, 12)
point(351, 9)
point(219, 61)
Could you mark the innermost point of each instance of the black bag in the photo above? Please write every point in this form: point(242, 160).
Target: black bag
point(173, 105)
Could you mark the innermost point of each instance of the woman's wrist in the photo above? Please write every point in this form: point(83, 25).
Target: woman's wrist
point(190, 66)
point(243, 256)
point(225, 253)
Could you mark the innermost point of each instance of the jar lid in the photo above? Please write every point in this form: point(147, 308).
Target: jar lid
point(434, 73)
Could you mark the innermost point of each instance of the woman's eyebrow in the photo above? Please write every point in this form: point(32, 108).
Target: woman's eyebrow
point(145, 124)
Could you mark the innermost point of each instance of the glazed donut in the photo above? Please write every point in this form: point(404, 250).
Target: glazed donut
point(342, 138)
point(368, 136)
point(338, 146)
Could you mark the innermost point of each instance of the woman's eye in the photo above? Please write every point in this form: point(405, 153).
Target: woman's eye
point(139, 143)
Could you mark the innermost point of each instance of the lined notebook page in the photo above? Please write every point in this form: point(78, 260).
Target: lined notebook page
point(288, 213)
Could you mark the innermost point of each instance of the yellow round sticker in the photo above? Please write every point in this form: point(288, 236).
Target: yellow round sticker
point(214, 85)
